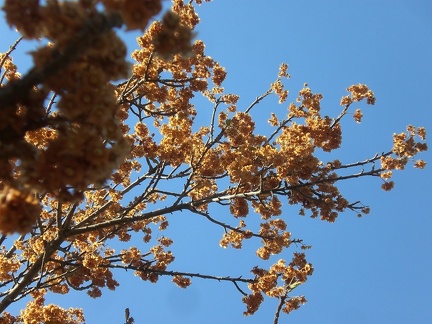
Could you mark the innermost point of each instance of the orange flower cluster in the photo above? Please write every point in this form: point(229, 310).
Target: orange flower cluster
point(279, 90)
point(173, 37)
point(131, 256)
point(276, 238)
point(8, 267)
point(294, 303)
point(239, 207)
point(10, 69)
point(92, 269)
point(18, 210)
point(235, 238)
point(267, 282)
point(405, 147)
point(37, 312)
point(162, 259)
point(135, 14)
point(358, 115)
point(182, 282)
point(359, 92)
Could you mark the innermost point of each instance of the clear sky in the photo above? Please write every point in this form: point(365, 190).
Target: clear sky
point(371, 270)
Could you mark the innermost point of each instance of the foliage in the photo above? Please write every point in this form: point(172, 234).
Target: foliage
point(86, 162)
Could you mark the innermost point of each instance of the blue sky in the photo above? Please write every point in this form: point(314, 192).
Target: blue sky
point(370, 270)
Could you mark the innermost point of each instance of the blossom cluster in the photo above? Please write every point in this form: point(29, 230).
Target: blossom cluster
point(278, 282)
point(18, 210)
point(405, 147)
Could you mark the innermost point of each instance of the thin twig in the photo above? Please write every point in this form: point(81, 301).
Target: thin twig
point(7, 54)
point(258, 99)
point(226, 226)
point(338, 118)
point(179, 273)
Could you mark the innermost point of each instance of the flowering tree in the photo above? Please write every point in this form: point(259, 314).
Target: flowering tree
point(95, 151)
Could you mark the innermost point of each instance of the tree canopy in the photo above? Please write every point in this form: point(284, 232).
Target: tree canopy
point(97, 152)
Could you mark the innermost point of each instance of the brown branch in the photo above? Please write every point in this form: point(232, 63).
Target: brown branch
point(7, 54)
point(226, 226)
point(11, 49)
point(31, 273)
point(80, 229)
point(279, 308)
point(258, 99)
point(121, 99)
point(69, 216)
point(338, 118)
point(367, 161)
point(373, 172)
point(11, 251)
point(179, 273)
point(50, 104)
point(213, 119)
point(277, 130)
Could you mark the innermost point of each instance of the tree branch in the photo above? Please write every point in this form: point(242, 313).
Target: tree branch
point(279, 308)
point(179, 273)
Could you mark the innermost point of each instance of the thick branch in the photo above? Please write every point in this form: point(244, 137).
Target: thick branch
point(14, 292)
point(125, 220)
